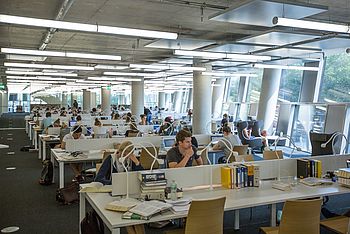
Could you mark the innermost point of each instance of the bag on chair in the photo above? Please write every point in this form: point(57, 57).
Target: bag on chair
point(69, 194)
point(92, 224)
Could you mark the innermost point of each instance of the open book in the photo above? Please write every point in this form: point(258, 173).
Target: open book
point(95, 187)
point(122, 205)
point(312, 181)
point(148, 208)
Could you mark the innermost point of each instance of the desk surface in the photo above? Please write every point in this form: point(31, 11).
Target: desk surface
point(235, 199)
point(63, 156)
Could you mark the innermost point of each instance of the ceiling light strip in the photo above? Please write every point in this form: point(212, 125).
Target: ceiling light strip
point(47, 66)
point(59, 54)
point(286, 67)
point(41, 73)
point(278, 21)
point(10, 19)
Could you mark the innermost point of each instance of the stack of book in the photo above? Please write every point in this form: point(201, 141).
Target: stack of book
point(344, 177)
point(309, 168)
point(153, 184)
point(240, 176)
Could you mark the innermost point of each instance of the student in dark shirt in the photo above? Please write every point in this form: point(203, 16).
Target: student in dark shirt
point(184, 152)
point(112, 164)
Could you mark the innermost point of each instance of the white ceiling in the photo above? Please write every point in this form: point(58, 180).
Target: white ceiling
point(190, 19)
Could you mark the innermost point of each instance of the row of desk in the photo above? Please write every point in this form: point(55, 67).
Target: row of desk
point(235, 199)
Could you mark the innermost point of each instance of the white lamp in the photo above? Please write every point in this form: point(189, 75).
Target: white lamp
point(122, 160)
point(332, 138)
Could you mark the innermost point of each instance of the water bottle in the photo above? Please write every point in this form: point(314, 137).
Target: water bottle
point(173, 191)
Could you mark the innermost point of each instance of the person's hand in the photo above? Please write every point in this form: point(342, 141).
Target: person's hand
point(189, 152)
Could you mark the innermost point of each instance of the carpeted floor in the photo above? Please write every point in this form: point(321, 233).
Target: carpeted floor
point(32, 207)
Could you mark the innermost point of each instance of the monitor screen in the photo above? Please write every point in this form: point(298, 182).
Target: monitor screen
point(168, 142)
point(215, 138)
point(72, 123)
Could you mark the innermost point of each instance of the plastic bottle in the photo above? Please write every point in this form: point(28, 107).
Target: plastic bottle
point(173, 191)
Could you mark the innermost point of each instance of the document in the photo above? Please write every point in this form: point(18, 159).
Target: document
point(95, 187)
point(149, 208)
point(122, 205)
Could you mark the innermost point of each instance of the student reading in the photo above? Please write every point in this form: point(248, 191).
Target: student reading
point(184, 152)
point(112, 164)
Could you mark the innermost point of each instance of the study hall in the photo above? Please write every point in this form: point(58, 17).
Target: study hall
point(174, 116)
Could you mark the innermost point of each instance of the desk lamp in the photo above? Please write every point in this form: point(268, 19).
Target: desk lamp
point(210, 163)
point(122, 160)
point(332, 138)
point(291, 141)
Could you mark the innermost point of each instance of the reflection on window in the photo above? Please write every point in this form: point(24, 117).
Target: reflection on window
point(254, 88)
point(336, 82)
point(308, 117)
point(233, 89)
point(290, 85)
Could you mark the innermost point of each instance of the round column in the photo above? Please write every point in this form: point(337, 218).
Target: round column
point(311, 83)
point(64, 102)
point(178, 101)
point(268, 96)
point(5, 102)
point(137, 97)
point(93, 100)
point(218, 97)
point(106, 100)
point(161, 99)
point(86, 100)
point(201, 99)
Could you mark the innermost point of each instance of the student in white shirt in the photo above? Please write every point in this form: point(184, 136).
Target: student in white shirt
point(76, 133)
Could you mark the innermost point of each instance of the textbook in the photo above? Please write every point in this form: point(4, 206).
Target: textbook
point(130, 215)
point(122, 205)
point(95, 187)
point(312, 181)
point(148, 208)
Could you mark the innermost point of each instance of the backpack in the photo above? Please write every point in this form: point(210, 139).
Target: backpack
point(46, 173)
point(92, 224)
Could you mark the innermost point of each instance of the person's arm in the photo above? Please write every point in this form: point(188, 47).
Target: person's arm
point(217, 146)
point(187, 155)
point(197, 157)
point(135, 163)
point(103, 171)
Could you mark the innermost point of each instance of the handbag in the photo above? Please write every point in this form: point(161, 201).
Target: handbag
point(92, 224)
point(69, 194)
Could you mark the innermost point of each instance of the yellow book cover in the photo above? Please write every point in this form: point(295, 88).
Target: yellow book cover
point(250, 169)
point(318, 168)
point(226, 181)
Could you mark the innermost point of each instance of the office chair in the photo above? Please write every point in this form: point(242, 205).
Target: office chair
point(317, 139)
point(298, 217)
point(255, 143)
point(146, 160)
point(268, 155)
point(204, 216)
point(339, 224)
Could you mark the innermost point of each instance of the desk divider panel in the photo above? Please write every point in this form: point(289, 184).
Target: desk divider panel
point(200, 175)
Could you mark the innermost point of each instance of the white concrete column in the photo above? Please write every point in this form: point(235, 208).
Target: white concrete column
point(71, 99)
point(311, 82)
point(201, 99)
point(218, 97)
point(64, 102)
point(178, 101)
point(243, 88)
point(5, 102)
point(137, 97)
point(190, 99)
point(106, 101)
point(161, 99)
point(268, 96)
point(86, 100)
point(1, 110)
point(167, 100)
point(93, 100)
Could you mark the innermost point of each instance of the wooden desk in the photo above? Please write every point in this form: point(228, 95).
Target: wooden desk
point(63, 157)
point(235, 199)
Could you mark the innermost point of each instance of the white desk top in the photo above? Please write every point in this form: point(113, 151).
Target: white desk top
point(63, 156)
point(235, 199)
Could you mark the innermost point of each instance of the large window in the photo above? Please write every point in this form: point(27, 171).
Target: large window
point(233, 89)
point(254, 88)
point(336, 79)
point(290, 85)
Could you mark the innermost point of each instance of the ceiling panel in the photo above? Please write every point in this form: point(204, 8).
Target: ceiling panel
point(289, 52)
point(261, 13)
point(332, 43)
point(237, 48)
point(278, 38)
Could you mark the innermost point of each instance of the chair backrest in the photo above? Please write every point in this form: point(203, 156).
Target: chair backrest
point(146, 160)
point(317, 139)
point(206, 216)
point(245, 158)
point(301, 216)
point(241, 149)
point(133, 133)
point(278, 154)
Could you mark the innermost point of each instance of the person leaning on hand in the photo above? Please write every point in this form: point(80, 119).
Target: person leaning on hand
point(184, 152)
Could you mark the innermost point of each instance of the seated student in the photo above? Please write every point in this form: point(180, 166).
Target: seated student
point(193, 139)
point(78, 119)
point(247, 133)
point(143, 119)
point(133, 131)
point(224, 120)
point(47, 121)
point(264, 141)
point(229, 140)
point(75, 134)
point(166, 128)
point(184, 152)
point(112, 164)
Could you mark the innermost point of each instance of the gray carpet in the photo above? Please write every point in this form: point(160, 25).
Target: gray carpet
point(32, 207)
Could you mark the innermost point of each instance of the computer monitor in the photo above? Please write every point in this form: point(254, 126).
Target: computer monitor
point(216, 138)
point(169, 142)
point(72, 123)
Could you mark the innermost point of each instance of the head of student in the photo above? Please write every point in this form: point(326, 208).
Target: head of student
point(124, 149)
point(78, 118)
point(48, 114)
point(97, 122)
point(77, 131)
point(226, 130)
point(183, 139)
